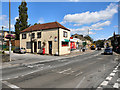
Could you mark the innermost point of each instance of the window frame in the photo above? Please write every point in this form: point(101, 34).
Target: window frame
point(33, 35)
point(24, 36)
point(65, 34)
point(63, 45)
point(28, 47)
point(38, 36)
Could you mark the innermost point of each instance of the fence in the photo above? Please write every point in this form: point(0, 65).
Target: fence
point(6, 48)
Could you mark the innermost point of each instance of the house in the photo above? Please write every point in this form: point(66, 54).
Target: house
point(75, 43)
point(51, 37)
point(79, 37)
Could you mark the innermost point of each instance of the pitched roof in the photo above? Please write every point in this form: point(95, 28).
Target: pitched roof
point(45, 26)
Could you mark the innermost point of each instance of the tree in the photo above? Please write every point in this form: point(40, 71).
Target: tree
point(36, 23)
point(21, 22)
point(88, 38)
point(100, 43)
point(17, 29)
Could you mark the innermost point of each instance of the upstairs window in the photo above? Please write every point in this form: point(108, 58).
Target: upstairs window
point(33, 35)
point(39, 35)
point(64, 34)
point(23, 36)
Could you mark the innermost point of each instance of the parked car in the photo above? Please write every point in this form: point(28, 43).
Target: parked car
point(108, 51)
point(19, 50)
point(98, 48)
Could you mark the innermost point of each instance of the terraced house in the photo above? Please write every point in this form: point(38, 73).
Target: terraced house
point(53, 37)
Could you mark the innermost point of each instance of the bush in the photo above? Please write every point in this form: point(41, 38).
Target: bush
point(7, 49)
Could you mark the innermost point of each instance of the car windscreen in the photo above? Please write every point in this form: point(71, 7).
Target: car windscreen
point(23, 48)
point(17, 48)
point(107, 49)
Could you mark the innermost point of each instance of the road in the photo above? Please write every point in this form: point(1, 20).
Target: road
point(83, 71)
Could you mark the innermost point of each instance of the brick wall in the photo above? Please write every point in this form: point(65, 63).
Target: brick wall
point(14, 43)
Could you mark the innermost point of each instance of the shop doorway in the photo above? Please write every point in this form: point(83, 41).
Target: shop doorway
point(50, 47)
point(35, 47)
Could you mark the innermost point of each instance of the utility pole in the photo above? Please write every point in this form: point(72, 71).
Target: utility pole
point(2, 38)
point(88, 32)
point(10, 29)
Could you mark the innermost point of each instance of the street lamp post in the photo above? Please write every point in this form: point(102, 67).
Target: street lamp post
point(10, 28)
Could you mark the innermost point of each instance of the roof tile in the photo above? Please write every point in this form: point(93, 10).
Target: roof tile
point(45, 26)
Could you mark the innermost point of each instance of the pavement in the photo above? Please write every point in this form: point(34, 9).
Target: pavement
point(88, 70)
point(28, 58)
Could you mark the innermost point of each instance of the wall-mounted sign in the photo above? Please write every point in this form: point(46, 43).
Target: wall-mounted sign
point(55, 39)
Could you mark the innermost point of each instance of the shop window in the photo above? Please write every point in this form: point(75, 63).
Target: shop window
point(33, 35)
point(23, 36)
point(65, 43)
point(28, 45)
point(39, 35)
point(64, 34)
point(39, 44)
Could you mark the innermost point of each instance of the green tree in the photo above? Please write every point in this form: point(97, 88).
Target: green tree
point(100, 43)
point(21, 22)
point(36, 23)
point(88, 38)
point(17, 29)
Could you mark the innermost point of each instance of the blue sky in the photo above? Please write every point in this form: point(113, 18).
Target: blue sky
point(101, 18)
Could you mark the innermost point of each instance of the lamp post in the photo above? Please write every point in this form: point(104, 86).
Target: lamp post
point(10, 28)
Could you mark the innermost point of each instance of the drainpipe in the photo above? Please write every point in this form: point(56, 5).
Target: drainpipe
point(31, 41)
point(58, 41)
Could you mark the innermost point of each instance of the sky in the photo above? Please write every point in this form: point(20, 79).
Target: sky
point(100, 18)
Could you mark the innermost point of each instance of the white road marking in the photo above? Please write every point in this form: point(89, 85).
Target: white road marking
point(65, 70)
point(116, 85)
point(69, 73)
point(114, 71)
point(99, 87)
point(104, 83)
point(78, 74)
point(109, 78)
point(118, 80)
point(30, 66)
point(112, 74)
point(80, 83)
point(10, 85)
point(116, 68)
point(99, 58)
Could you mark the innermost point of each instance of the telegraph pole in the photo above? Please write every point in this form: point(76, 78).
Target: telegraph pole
point(10, 29)
point(88, 32)
point(2, 38)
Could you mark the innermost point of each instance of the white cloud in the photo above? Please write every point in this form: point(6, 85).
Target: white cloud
point(91, 33)
point(116, 26)
point(41, 20)
point(5, 23)
point(80, 29)
point(16, 18)
point(91, 17)
point(98, 26)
